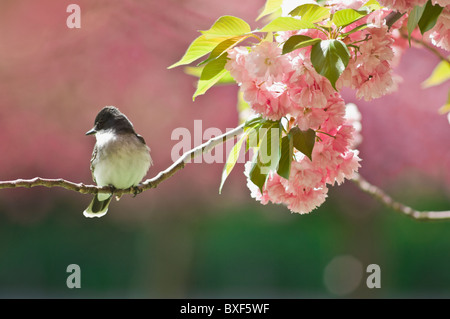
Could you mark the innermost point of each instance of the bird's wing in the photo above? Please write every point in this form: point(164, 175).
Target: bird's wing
point(94, 156)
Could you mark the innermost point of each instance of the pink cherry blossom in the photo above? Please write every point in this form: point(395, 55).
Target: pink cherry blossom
point(306, 200)
point(343, 138)
point(353, 118)
point(347, 168)
point(274, 190)
point(237, 64)
point(345, 4)
point(402, 5)
point(310, 118)
point(377, 48)
point(303, 175)
point(440, 34)
point(266, 63)
point(371, 73)
point(307, 87)
point(335, 110)
point(375, 84)
point(270, 101)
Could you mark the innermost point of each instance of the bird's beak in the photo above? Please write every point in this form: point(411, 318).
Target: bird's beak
point(91, 131)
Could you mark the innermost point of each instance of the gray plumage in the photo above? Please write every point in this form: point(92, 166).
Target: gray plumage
point(120, 158)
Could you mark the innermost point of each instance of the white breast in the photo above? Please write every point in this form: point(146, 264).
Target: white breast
point(122, 160)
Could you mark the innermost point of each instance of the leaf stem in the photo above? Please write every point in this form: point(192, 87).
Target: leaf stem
point(325, 133)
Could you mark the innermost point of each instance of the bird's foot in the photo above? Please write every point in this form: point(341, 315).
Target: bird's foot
point(136, 190)
point(113, 190)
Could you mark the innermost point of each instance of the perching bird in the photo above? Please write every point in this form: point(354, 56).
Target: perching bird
point(120, 158)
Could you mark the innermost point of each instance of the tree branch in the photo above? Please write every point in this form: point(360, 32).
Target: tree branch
point(365, 186)
point(380, 195)
point(394, 16)
point(149, 183)
point(427, 46)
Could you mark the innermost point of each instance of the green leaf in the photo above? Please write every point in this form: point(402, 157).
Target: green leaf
point(256, 176)
point(303, 140)
point(194, 70)
point(413, 19)
point(251, 127)
point(330, 58)
point(268, 37)
point(211, 74)
point(287, 150)
point(445, 108)
point(311, 12)
point(266, 159)
point(271, 145)
point(429, 17)
point(226, 79)
point(372, 5)
point(440, 74)
point(253, 122)
point(231, 161)
point(271, 6)
point(425, 17)
point(298, 41)
point(358, 28)
point(227, 26)
point(198, 48)
point(287, 24)
point(222, 47)
point(197, 72)
point(345, 17)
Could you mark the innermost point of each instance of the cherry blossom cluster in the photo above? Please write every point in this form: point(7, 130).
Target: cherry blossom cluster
point(332, 162)
point(278, 86)
point(370, 70)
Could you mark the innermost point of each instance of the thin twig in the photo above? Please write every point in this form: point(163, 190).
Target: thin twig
point(380, 195)
point(427, 46)
point(188, 156)
point(393, 17)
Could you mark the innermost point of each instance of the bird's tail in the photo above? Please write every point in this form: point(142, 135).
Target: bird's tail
point(98, 206)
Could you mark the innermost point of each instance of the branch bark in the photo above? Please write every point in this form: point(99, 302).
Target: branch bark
point(381, 196)
point(362, 184)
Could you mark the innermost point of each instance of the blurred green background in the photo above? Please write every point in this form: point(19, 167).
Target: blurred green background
point(183, 239)
point(241, 251)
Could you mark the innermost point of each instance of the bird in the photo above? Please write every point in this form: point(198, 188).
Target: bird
point(120, 158)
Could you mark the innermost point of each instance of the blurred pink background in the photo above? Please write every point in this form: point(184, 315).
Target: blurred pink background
point(54, 80)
